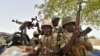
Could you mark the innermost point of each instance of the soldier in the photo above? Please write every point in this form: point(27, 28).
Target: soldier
point(68, 24)
point(35, 39)
point(48, 44)
point(55, 21)
point(46, 38)
point(2, 42)
point(57, 30)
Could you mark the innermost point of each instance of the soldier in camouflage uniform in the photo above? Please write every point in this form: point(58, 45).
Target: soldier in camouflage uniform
point(35, 39)
point(3, 44)
point(57, 30)
point(55, 21)
point(68, 24)
point(48, 44)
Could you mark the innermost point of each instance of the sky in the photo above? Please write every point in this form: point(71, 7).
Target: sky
point(22, 10)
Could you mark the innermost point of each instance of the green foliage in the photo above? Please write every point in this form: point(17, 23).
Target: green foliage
point(90, 13)
point(92, 37)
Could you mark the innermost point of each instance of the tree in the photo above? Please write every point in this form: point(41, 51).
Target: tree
point(90, 13)
point(92, 37)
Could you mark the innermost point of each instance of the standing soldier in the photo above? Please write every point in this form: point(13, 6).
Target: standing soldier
point(68, 24)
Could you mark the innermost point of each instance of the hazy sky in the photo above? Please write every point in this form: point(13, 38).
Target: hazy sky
point(21, 10)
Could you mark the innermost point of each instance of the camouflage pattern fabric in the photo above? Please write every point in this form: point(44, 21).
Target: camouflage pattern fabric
point(2, 41)
point(66, 37)
point(34, 41)
point(51, 43)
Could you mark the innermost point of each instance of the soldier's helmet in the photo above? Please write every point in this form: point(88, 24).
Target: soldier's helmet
point(54, 17)
point(36, 32)
point(46, 22)
point(68, 19)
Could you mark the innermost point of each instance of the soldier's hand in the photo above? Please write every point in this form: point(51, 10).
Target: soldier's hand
point(80, 41)
point(76, 34)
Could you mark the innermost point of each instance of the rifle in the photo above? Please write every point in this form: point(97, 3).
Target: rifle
point(75, 35)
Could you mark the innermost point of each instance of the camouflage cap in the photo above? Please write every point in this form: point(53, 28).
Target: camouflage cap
point(46, 22)
point(54, 17)
point(67, 19)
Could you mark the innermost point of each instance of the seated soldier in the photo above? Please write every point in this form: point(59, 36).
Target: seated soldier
point(68, 24)
point(35, 40)
point(2, 44)
point(48, 43)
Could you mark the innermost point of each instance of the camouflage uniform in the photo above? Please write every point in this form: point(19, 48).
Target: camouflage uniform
point(3, 45)
point(48, 41)
point(35, 39)
point(57, 30)
point(66, 37)
point(2, 42)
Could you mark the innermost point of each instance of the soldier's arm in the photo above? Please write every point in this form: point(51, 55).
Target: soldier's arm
point(88, 44)
point(84, 41)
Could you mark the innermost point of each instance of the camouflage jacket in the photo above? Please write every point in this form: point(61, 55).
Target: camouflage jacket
point(34, 41)
point(66, 38)
point(51, 43)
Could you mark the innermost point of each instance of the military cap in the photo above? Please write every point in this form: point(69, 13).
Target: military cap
point(67, 19)
point(55, 17)
point(36, 32)
point(46, 22)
